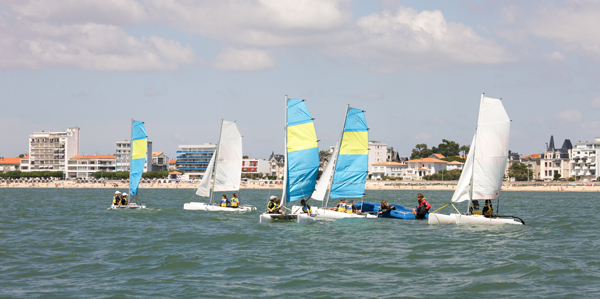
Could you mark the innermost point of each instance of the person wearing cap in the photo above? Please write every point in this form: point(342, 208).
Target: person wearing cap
point(474, 209)
point(124, 199)
point(423, 207)
point(341, 206)
point(305, 207)
point(273, 205)
point(117, 198)
point(488, 210)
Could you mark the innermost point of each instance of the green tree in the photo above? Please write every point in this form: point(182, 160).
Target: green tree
point(22, 156)
point(557, 176)
point(454, 158)
point(519, 171)
point(244, 157)
point(464, 150)
point(420, 151)
point(447, 148)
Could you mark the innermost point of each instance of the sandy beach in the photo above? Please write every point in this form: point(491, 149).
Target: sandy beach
point(371, 185)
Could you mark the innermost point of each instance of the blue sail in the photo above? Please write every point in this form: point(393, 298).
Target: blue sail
point(302, 152)
point(352, 163)
point(139, 151)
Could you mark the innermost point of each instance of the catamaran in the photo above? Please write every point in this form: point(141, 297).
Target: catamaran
point(347, 166)
point(227, 163)
point(484, 168)
point(301, 161)
point(139, 151)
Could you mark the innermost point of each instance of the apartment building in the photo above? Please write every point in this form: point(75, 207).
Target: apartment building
point(123, 156)
point(556, 160)
point(49, 151)
point(377, 153)
point(277, 163)
point(194, 159)
point(533, 166)
point(160, 161)
point(256, 167)
point(585, 159)
point(84, 166)
point(387, 169)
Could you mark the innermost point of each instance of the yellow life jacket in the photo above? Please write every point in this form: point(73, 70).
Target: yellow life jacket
point(223, 202)
point(234, 202)
point(475, 210)
point(349, 209)
point(124, 200)
point(115, 201)
point(342, 208)
point(306, 209)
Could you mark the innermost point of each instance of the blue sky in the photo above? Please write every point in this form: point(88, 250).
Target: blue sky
point(417, 67)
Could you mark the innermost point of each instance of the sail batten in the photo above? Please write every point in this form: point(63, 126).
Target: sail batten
point(139, 152)
point(302, 152)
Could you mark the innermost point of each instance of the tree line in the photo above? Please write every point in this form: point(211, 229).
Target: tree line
point(17, 174)
point(449, 149)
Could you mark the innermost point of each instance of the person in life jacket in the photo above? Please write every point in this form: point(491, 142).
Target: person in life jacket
point(488, 210)
point(224, 201)
point(235, 202)
point(423, 207)
point(305, 207)
point(273, 206)
point(117, 198)
point(385, 207)
point(341, 206)
point(124, 199)
point(474, 209)
point(350, 208)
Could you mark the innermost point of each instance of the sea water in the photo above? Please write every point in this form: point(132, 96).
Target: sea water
point(65, 243)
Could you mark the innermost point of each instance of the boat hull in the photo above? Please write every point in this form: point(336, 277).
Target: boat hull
point(399, 213)
point(435, 218)
point(323, 213)
point(277, 218)
point(202, 206)
point(132, 205)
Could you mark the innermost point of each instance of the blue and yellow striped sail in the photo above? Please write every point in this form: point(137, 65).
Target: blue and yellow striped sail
point(139, 151)
point(353, 160)
point(302, 151)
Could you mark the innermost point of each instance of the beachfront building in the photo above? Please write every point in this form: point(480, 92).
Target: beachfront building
point(84, 166)
point(392, 155)
point(49, 151)
point(159, 161)
point(172, 164)
point(10, 164)
point(556, 161)
point(385, 170)
point(418, 168)
point(123, 156)
point(193, 159)
point(256, 168)
point(277, 163)
point(454, 165)
point(377, 153)
point(533, 166)
point(585, 159)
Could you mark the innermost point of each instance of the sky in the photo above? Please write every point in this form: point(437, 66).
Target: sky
point(418, 69)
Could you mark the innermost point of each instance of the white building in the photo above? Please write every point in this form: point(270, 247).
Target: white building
point(387, 169)
point(585, 159)
point(123, 156)
point(194, 159)
point(49, 151)
point(84, 166)
point(454, 165)
point(377, 153)
point(256, 167)
point(419, 168)
point(556, 161)
point(277, 162)
point(10, 164)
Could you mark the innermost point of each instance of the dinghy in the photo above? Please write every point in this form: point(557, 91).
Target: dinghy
point(400, 212)
point(301, 161)
point(346, 173)
point(483, 172)
point(138, 154)
point(227, 162)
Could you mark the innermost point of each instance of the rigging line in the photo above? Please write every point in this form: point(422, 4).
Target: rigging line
point(440, 208)
point(456, 209)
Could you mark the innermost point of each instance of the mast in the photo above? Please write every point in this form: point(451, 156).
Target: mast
point(474, 145)
point(285, 157)
point(339, 143)
point(212, 192)
point(130, 154)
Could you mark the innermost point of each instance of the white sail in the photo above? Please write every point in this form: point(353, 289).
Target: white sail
point(228, 171)
point(463, 187)
point(204, 186)
point(323, 183)
point(491, 149)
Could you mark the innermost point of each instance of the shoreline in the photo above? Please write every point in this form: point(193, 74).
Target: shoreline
point(379, 185)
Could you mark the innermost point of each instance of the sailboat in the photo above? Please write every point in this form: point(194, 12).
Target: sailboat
point(484, 168)
point(138, 154)
point(301, 161)
point(227, 163)
point(346, 169)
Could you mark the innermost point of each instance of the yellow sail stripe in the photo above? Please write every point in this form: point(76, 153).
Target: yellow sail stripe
point(355, 143)
point(302, 137)
point(139, 149)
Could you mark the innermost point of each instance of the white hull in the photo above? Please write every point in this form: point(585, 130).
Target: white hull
point(131, 205)
point(276, 218)
point(435, 218)
point(323, 213)
point(201, 206)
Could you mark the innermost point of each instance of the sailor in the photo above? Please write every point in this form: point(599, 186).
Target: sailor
point(488, 210)
point(474, 209)
point(423, 207)
point(341, 206)
point(124, 199)
point(224, 201)
point(350, 208)
point(272, 206)
point(385, 207)
point(117, 198)
point(235, 202)
point(305, 207)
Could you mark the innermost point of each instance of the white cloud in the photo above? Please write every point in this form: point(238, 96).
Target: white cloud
point(595, 103)
point(555, 56)
point(569, 116)
point(422, 137)
point(243, 60)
